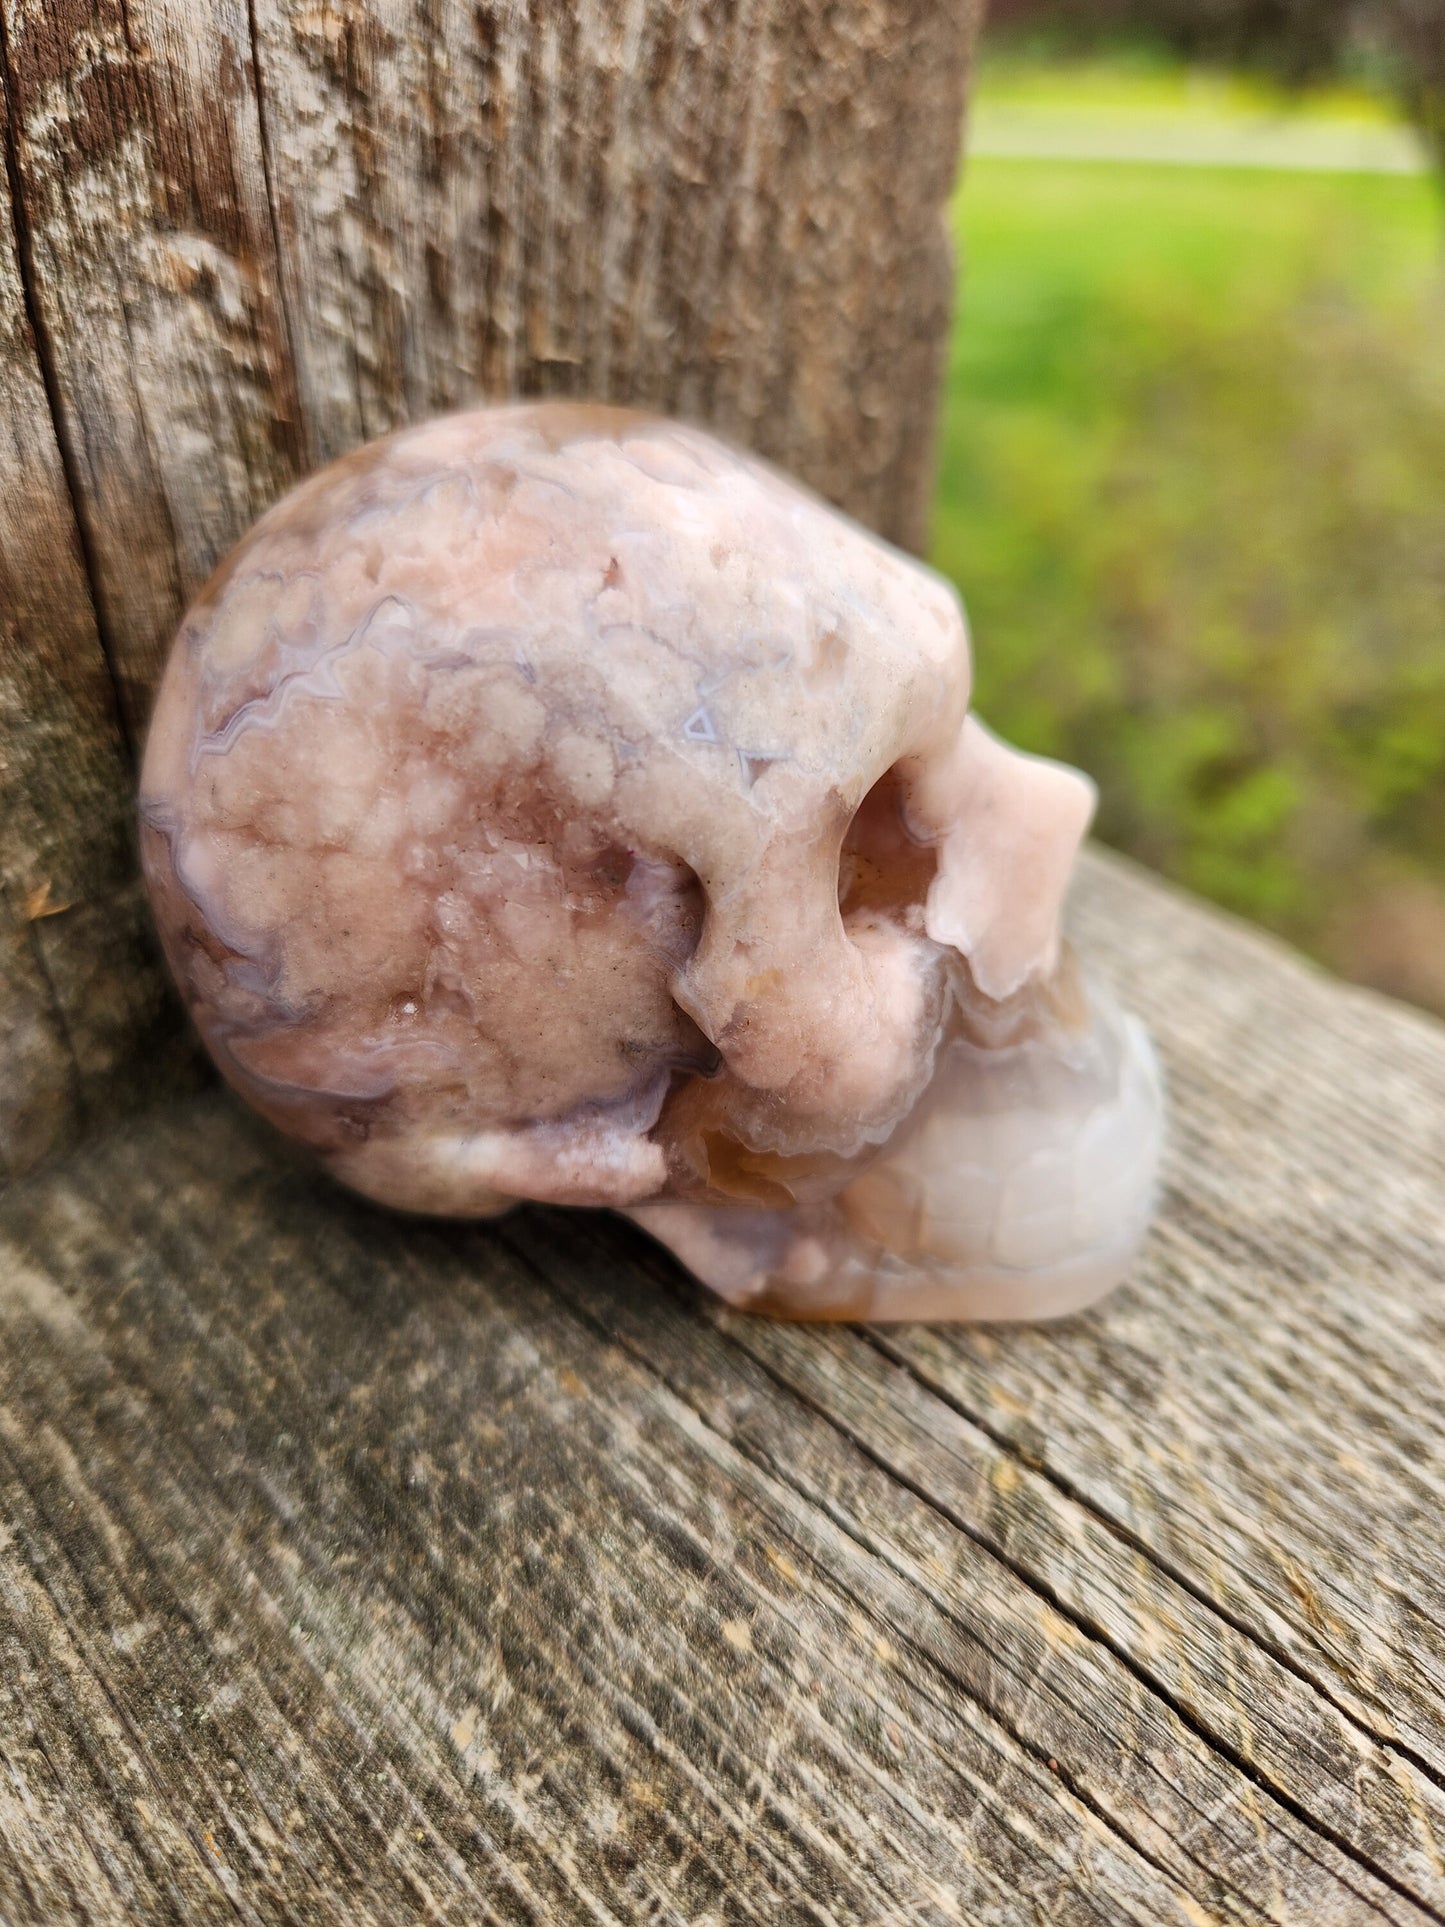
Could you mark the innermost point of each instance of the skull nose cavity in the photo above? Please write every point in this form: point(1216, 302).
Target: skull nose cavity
point(883, 869)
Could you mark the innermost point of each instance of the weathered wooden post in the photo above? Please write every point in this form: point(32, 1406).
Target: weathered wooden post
point(235, 241)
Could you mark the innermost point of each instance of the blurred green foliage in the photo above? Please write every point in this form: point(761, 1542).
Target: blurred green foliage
point(1397, 44)
point(1192, 486)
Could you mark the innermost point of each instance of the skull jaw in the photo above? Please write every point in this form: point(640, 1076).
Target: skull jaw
point(764, 1267)
point(1022, 1188)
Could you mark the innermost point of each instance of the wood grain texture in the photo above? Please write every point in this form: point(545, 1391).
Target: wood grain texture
point(81, 996)
point(139, 175)
point(729, 209)
point(239, 236)
point(355, 1569)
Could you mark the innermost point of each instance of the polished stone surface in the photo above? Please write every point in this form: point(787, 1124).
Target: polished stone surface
point(551, 802)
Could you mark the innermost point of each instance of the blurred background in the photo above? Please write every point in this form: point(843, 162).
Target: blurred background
point(1192, 476)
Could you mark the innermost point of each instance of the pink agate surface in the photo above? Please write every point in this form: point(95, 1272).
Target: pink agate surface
point(551, 802)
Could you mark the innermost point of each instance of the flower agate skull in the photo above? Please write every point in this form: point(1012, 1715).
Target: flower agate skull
point(551, 802)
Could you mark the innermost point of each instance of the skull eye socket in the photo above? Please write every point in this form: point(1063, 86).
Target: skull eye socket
point(883, 869)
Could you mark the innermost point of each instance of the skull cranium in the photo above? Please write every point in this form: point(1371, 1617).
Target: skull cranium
point(551, 802)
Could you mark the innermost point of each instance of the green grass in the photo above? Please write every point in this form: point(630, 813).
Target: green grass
point(1143, 82)
point(1192, 486)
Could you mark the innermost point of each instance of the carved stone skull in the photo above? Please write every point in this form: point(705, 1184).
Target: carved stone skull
point(551, 802)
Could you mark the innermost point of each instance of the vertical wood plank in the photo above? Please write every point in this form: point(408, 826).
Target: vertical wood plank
point(240, 236)
point(138, 155)
point(731, 209)
point(147, 411)
point(79, 986)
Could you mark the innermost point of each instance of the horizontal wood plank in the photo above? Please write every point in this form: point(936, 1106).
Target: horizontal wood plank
point(358, 1569)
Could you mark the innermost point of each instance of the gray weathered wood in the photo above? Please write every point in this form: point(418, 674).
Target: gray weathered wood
point(239, 236)
point(81, 1000)
point(355, 1569)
